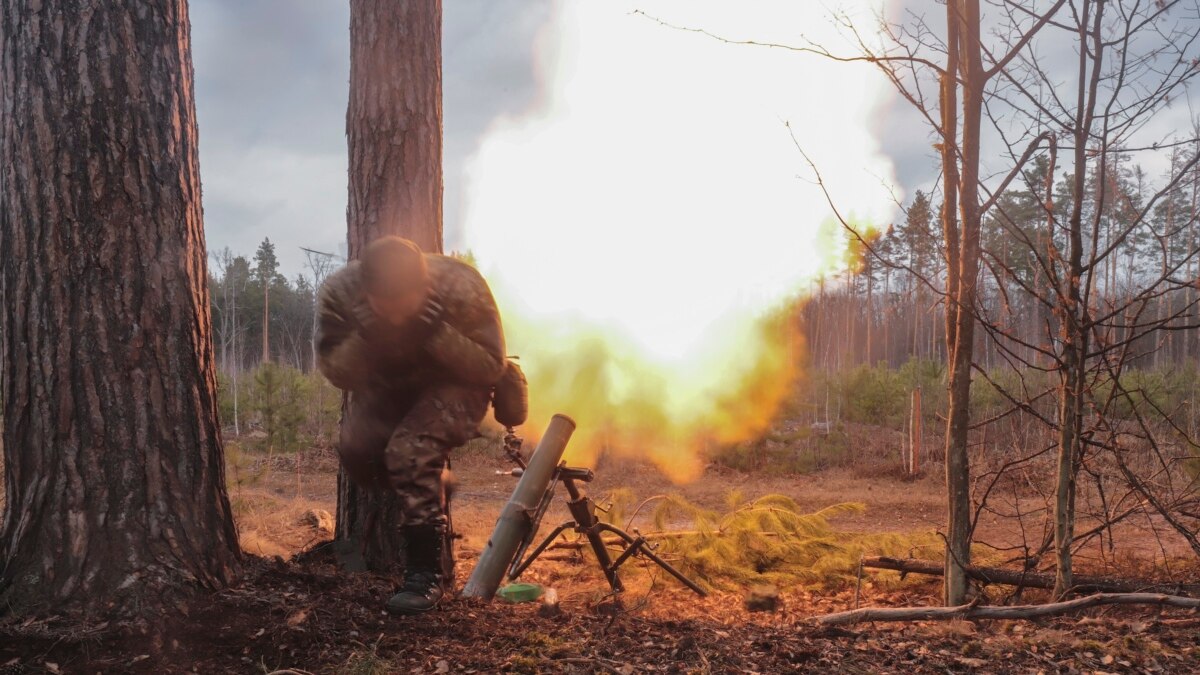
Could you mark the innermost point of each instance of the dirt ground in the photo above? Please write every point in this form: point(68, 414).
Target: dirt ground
point(304, 615)
point(311, 618)
point(270, 510)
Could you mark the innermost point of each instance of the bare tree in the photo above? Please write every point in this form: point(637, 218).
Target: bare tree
point(234, 275)
point(1053, 309)
point(1132, 59)
point(1009, 87)
point(224, 312)
point(321, 265)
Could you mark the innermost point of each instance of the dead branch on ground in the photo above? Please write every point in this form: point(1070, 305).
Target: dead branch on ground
point(976, 612)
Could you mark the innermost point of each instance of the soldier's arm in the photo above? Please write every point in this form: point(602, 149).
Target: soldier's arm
point(341, 349)
point(474, 354)
point(474, 361)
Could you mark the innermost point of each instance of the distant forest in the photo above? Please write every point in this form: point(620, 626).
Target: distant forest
point(886, 308)
point(245, 335)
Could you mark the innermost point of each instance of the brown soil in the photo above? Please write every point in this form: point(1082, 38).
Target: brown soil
point(310, 617)
point(307, 616)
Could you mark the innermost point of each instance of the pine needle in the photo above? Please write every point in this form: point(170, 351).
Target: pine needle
point(770, 540)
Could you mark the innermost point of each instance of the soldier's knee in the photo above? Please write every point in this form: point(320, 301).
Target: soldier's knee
point(426, 513)
point(415, 456)
point(422, 495)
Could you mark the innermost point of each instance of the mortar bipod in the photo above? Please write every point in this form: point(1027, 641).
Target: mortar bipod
point(583, 521)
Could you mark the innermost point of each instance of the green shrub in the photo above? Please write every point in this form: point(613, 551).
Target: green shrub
point(279, 398)
point(239, 473)
point(879, 395)
point(875, 396)
point(324, 407)
point(294, 409)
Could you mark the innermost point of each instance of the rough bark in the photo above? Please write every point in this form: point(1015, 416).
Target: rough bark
point(113, 459)
point(394, 126)
point(394, 122)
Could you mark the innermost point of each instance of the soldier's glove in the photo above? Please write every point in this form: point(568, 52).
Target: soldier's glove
point(432, 310)
point(430, 316)
point(365, 317)
point(370, 325)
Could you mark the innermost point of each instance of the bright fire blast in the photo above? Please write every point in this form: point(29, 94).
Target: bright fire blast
point(643, 222)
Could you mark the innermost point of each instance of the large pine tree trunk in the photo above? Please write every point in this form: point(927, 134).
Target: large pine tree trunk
point(394, 125)
point(113, 459)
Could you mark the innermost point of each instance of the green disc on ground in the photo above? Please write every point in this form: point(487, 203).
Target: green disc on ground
point(520, 592)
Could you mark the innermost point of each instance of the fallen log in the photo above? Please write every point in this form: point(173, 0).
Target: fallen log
point(970, 611)
point(998, 575)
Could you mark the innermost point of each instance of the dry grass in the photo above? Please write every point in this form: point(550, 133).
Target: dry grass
point(269, 511)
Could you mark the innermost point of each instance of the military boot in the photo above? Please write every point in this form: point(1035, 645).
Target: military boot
point(423, 582)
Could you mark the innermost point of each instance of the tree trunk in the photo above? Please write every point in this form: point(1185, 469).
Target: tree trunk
point(957, 482)
point(113, 460)
point(394, 125)
point(916, 432)
point(266, 331)
point(870, 315)
point(964, 63)
point(1190, 342)
point(394, 122)
point(1074, 328)
point(237, 367)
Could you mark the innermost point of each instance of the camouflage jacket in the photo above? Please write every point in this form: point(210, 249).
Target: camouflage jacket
point(466, 347)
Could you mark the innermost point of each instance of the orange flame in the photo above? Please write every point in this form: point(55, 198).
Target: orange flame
point(644, 229)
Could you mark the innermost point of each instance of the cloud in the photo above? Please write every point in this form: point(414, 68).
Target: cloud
point(271, 90)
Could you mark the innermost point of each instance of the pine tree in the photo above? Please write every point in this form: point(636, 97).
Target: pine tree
point(266, 268)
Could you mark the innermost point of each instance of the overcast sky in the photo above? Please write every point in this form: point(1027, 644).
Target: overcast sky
point(271, 89)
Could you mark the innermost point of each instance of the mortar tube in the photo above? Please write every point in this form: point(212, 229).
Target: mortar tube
point(514, 523)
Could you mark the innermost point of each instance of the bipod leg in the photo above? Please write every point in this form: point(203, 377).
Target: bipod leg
point(602, 556)
point(638, 545)
point(631, 549)
point(520, 566)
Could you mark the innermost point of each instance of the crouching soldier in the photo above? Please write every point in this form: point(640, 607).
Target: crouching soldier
point(416, 340)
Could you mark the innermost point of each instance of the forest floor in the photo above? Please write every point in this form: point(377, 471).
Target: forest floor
point(304, 615)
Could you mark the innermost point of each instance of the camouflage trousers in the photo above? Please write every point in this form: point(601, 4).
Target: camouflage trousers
point(400, 440)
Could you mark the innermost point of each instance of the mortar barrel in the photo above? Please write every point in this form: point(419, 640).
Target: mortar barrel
point(514, 523)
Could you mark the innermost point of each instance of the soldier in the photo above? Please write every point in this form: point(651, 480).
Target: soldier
point(416, 339)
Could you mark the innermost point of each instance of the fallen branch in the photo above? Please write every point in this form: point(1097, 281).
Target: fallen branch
point(971, 611)
point(572, 544)
point(997, 575)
